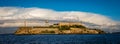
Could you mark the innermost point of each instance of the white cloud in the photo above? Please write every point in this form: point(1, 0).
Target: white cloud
point(41, 13)
point(31, 13)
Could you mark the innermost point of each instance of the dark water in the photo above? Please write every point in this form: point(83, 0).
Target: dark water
point(60, 39)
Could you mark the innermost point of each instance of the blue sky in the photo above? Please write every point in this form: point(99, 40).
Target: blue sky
point(110, 8)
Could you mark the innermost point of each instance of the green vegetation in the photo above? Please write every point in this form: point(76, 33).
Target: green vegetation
point(78, 26)
point(65, 27)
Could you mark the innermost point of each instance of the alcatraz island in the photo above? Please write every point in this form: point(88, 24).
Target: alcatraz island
point(58, 28)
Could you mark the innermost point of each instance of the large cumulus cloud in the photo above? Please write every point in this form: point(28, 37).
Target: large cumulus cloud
point(100, 21)
point(41, 13)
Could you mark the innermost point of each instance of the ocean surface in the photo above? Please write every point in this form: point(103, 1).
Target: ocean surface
point(60, 39)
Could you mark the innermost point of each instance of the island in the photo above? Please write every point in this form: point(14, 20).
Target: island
point(58, 28)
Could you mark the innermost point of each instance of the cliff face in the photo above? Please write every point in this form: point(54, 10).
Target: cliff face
point(61, 28)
